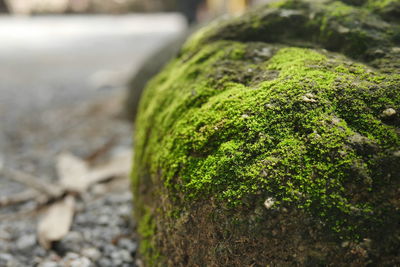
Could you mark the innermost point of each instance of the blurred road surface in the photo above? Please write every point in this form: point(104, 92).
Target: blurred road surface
point(49, 60)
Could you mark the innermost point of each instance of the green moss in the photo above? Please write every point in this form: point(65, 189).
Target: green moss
point(381, 4)
point(288, 137)
point(235, 123)
point(147, 230)
point(388, 9)
point(334, 25)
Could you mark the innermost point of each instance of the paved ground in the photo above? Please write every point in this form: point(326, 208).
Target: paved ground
point(61, 86)
point(47, 60)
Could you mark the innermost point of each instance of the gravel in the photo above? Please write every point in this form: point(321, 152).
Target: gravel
point(102, 233)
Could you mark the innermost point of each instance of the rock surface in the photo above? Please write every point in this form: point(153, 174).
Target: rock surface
point(273, 138)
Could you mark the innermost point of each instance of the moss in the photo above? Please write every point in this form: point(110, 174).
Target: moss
point(334, 25)
point(147, 230)
point(388, 9)
point(230, 124)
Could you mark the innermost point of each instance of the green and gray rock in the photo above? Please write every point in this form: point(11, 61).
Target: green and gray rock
point(274, 139)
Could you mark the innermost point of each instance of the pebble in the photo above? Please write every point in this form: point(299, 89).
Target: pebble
point(26, 241)
point(269, 202)
point(104, 262)
point(75, 260)
point(48, 264)
point(91, 253)
point(127, 244)
point(389, 112)
point(73, 237)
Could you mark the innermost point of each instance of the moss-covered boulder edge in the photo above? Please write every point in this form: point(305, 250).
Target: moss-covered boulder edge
point(273, 138)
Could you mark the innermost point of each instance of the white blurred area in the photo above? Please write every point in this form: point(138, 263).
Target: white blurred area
point(81, 6)
point(61, 30)
point(51, 60)
point(213, 7)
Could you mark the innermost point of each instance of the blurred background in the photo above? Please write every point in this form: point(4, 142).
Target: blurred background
point(124, 6)
point(66, 70)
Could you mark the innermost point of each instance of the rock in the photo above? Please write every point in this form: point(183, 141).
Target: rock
point(389, 112)
point(127, 244)
point(49, 264)
point(293, 163)
point(91, 253)
point(151, 66)
point(26, 241)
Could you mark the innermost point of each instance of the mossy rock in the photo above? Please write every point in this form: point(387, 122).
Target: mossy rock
point(273, 139)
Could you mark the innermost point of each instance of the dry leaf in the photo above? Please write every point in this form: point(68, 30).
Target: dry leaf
point(119, 166)
point(56, 222)
point(73, 173)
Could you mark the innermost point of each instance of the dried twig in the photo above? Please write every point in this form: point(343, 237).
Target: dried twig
point(92, 157)
point(50, 190)
point(119, 166)
point(20, 214)
point(18, 198)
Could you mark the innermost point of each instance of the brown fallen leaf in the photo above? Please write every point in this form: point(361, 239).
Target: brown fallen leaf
point(73, 173)
point(92, 157)
point(120, 165)
point(56, 221)
point(76, 176)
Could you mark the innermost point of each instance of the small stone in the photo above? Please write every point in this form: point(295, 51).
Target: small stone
point(342, 29)
point(104, 262)
point(366, 243)
point(109, 249)
point(125, 255)
point(26, 241)
point(345, 244)
point(310, 95)
point(91, 253)
point(48, 264)
point(127, 244)
point(389, 112)
point(269, 202)
point(308, 98)
point(6, 257)
point(39, 251)
point(80, 262)
point(104, 220)
point(396, 49)
point(72, 256)
point(335, 121)
point(269, 105)
point(286, 13)
point(73, 237)
point(265, 52)
point(5, 235)
point(379, 52)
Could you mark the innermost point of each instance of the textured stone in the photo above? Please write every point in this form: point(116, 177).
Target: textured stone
point(272, 139)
